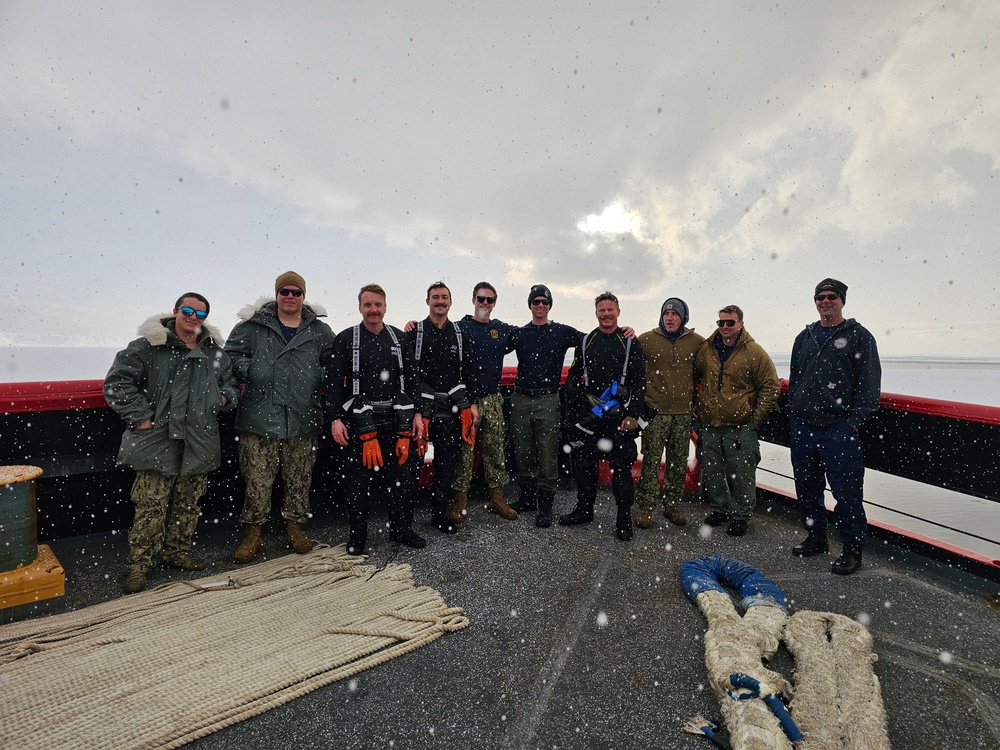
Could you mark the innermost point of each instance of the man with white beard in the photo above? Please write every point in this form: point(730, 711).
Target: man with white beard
point(491, 339)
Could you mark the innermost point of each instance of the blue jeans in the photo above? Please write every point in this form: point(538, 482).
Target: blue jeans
point(833, 450)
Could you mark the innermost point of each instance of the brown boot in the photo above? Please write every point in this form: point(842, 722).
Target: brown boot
point(250, 545)
point(458, 510)
point(297, 539)
point(135, 580)
point(498, 505)
point(673, 515)
point(184, 561)
point(645, 519)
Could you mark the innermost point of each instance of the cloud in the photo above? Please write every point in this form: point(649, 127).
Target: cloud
point(720, 151)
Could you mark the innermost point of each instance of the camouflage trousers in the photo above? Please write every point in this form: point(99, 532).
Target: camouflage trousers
point(491, 434)
point(166, 514)
point(670, 433)
point(260, 458)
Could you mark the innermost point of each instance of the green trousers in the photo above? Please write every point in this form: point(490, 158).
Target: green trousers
point(535, 424)
point(729, 458)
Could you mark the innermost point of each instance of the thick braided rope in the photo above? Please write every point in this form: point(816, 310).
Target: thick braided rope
point(737, 644)
point(178, 662)
point(838, 700)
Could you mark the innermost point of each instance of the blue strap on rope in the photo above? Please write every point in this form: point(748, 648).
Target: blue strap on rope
point(773, 700)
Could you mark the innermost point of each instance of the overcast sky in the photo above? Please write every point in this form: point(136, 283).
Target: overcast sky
point(720, 152)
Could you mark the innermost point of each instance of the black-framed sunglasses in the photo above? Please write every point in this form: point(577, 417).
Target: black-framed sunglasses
point(726, 323)
point(485, 300)
point(540, 302)
point(293, 292)
point(187, 312)
point(825, 297)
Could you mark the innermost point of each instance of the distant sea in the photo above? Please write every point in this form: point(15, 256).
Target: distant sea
point(970, 380)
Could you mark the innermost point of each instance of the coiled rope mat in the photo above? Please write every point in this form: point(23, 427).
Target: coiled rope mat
point(175, 663)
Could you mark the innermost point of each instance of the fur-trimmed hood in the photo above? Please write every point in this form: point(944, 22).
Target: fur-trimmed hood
point(247, 312)
point(156, 331)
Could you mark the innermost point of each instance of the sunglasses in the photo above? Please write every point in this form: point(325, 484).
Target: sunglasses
point(293, 292)
point(187, 312)
point(485, 300)
point(825, 297)
point(540, 302)
point(726, 323)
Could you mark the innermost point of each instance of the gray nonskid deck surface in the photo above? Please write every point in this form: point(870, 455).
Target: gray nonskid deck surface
point(578, 640)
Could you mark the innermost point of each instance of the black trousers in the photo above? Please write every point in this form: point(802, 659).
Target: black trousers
point(619, 449)
point(397, 482)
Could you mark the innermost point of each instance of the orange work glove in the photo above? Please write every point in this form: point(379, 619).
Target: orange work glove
point(403, 447)
point(371, 453)
point(468, 427)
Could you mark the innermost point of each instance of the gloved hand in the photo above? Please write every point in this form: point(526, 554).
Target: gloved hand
point(403, 447)
point(421, 446)
point(468, 426)
point(371, 453)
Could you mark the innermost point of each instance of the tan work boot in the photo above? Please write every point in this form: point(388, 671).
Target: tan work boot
point(459, 507)
point(498, 505)
point(184, 561)
point(645, 519)
point(297, 539)
point(135, 580)
point(250, 545)
point(673, 515)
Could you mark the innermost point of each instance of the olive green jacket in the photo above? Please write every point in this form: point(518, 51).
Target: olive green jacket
point(670, 370)
point(281, 380)
point(181, 390)
point(745, 389)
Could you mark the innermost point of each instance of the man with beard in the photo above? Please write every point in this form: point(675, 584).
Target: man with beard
point(491, 339)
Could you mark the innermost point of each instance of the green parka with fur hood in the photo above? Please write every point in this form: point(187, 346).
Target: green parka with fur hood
point(157, 377)
point(281, 380)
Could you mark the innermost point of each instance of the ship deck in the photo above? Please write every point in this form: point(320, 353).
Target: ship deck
point(578, 640)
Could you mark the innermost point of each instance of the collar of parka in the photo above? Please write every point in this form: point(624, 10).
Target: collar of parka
point(156, 331)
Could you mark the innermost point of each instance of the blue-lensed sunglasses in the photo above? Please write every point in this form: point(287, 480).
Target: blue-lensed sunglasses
point(187, 312)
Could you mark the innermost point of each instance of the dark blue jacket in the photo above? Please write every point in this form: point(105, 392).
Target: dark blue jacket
point(490, 342)
point(541, 351)
point(838, 381)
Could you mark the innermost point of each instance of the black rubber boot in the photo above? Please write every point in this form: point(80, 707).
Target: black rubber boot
point(623, 524)
point(848, 562)
point(442, 522)
point(357, 537)
point(582, 513)
point(527, 502)
point(408, 537)
point(544, 518)
point(814, 544)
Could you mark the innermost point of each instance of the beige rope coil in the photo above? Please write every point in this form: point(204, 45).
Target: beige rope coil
point(737, 644)
point(178, 662)
point(838, 700)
